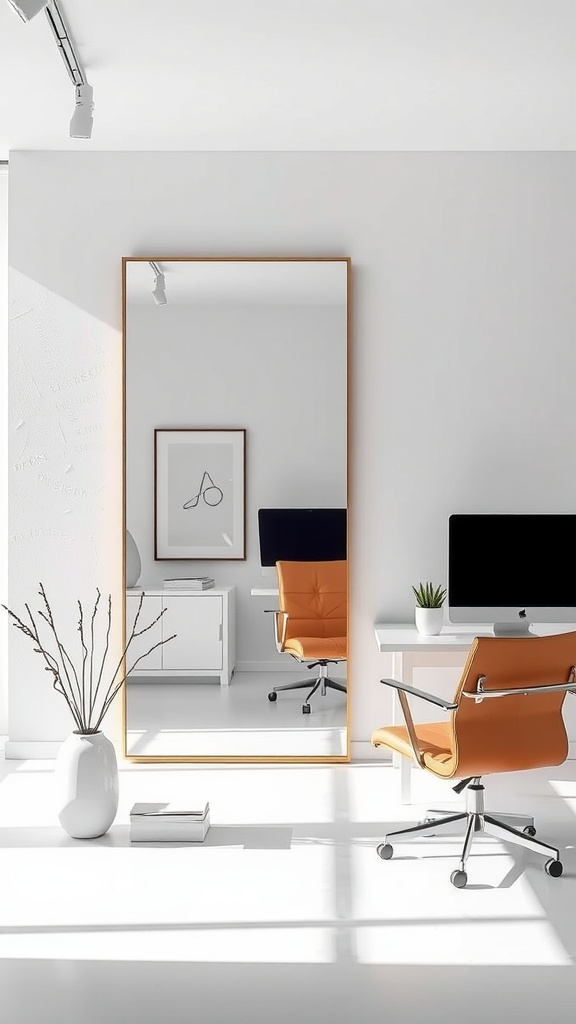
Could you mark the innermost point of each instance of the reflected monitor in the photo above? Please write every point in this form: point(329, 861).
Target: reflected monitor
point(300, 535)
point(511, 569)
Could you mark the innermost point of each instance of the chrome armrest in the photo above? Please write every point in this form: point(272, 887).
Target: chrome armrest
point(280, 634)
point(403, 689)
point(480, 694)
point(430, 697)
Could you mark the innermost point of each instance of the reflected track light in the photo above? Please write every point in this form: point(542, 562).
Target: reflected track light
point(82, 120)
point(159, 290)
point(28, 9)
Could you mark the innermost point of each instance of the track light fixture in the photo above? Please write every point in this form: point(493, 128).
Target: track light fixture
point(28, 9)
point(159, 290)
point(81, 123)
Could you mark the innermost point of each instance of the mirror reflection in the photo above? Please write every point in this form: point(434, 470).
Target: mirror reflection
point(236, 415)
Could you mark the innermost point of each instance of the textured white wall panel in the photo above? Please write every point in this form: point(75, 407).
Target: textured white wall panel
point(64, 475)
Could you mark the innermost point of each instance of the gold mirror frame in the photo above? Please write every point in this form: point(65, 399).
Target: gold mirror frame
point(230, 758)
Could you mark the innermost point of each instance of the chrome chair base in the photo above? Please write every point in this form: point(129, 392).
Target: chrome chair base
point(517, 821)
point(322, 682)
point(472, 821)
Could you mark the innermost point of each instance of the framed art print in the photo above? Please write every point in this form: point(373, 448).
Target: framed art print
point(199, 493)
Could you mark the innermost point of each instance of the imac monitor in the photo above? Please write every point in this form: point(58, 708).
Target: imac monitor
point(300, 535)
point(511, 569)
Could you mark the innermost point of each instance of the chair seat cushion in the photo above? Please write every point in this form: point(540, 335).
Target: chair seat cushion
point(434, 739)
point(315, 647)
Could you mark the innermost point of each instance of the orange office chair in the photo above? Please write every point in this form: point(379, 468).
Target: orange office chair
point(506, 716)
point(310, 624)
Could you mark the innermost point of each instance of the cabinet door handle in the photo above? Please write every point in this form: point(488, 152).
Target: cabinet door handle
point(220, 631)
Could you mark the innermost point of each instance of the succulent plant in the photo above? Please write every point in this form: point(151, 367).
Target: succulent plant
point(429, 596)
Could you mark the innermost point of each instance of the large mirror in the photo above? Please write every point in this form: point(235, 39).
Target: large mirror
point(236, 375)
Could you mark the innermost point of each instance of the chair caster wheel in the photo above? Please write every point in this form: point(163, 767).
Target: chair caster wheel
point(529, 830)
point(459, 879)
point(272, 696)
point(306, 709)
point(553, 868)
point(385, 851)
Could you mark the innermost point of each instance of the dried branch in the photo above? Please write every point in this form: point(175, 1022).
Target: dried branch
point(119, 685)
point(51, 662)
point(94, 613)
point(78, 687)
point(105, 654)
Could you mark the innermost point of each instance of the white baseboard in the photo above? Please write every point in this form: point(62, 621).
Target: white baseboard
point(288, 665)
point(21, 750)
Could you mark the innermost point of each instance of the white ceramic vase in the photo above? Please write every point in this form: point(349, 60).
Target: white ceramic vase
point(133, 561)
point(429, 620)
point(86, 783)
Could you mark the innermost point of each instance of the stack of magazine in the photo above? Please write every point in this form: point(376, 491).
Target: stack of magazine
point(189, 583)
point(168, 823)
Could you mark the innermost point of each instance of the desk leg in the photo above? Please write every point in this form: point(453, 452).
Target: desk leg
point(402, 670)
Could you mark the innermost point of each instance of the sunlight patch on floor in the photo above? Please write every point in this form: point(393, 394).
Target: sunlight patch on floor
point(414, 914)
point(238, 742)
point(281, 945)
point(501, 944)
point(567, 790)
point(88, 898)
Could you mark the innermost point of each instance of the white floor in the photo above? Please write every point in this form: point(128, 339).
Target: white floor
point(285, 913)
point(199, 717)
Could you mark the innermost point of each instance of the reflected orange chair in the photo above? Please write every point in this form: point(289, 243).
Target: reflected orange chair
point(310, 624)
point(506, 716)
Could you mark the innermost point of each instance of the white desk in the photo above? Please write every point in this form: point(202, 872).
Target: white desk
point(405, 638)
point(410, 650)
point(264, 591)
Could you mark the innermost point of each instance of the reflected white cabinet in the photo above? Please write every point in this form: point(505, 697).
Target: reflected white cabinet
point(204, 626)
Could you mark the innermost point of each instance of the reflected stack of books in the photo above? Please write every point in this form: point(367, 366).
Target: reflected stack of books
point(168, 823)
point(189, 583)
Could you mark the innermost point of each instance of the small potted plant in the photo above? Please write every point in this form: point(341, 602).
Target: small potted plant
point(429, 611)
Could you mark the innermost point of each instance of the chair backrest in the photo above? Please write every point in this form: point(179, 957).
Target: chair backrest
point(314, 594)
point(521, 731)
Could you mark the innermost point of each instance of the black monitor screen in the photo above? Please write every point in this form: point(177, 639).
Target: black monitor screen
point(512, 560)
point(301, 535)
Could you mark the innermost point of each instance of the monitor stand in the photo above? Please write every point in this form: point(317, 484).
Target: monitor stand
point(520, 628)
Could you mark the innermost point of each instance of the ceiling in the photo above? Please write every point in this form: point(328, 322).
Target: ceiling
point(296, 75)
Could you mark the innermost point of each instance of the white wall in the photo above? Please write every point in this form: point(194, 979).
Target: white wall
point(277, 371)
point(463, 354)
point(3, 442)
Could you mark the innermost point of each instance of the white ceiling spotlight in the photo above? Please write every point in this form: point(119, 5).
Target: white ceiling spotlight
point(82, 120)
point(159, 290)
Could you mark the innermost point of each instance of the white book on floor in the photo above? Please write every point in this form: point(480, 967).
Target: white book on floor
point(169, 812)
point(154, 830)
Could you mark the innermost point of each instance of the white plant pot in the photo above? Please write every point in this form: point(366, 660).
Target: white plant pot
point(86, 784)
point(429, 620)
